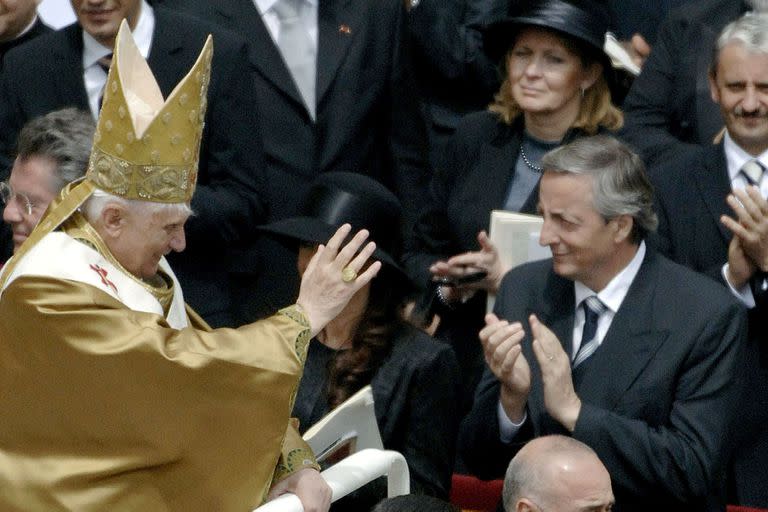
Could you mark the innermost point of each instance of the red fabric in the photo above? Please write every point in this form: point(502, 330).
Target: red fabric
point(470, 493)
point(734, 508)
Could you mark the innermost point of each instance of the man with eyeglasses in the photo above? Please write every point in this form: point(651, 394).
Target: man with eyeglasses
point(52, 150)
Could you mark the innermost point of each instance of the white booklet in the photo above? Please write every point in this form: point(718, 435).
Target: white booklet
point(348, 428)
point(516, 236)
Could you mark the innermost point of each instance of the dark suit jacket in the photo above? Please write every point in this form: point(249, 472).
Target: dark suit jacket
point(368, 118)
point(691, 194)
point(47, 74)
point(453, 73)
point(38, 28)
point(415, 391)
point(669, 108)
point(658, 396)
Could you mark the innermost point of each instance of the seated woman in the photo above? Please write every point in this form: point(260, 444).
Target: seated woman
point(413, 377)
point(556, 88)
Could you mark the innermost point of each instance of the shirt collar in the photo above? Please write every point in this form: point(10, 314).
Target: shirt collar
point(142, 34)
point(736, 157)
point(264, 6)
point(616, 290)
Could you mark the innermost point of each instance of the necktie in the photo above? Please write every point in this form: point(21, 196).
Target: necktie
point(104, 64)
point(753, 171)
point(593, 308)
point(297, 50)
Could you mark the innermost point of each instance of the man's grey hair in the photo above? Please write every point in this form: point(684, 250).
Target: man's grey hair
point(99, 200)
point(620, 185)
point(750, 31)
point(65, 136)
point(524, 478)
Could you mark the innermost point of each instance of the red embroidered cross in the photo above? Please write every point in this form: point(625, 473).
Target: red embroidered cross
point(103, 275)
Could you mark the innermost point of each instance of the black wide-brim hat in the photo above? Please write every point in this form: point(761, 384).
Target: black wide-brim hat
point(337, 198)
point(584, 20)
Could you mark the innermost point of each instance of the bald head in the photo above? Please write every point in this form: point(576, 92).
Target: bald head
point(558, 474)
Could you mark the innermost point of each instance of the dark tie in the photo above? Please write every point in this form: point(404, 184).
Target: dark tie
point(753, 171)
point(104, 64)
point(593, 308)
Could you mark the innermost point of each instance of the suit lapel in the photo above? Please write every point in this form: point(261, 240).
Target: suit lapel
point(629, 345)
point(337, 24)
point(713, 184)
point(163, 54)
point(69, 75)
point(555, 310)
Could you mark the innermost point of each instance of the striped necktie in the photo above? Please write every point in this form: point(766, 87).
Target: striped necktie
point(593, 308)
point(753, 171)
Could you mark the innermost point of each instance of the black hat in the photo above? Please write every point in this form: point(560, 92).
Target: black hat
point(336, 198)
point(584, 20)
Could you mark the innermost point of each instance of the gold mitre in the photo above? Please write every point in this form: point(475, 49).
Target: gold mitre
point(145, 147)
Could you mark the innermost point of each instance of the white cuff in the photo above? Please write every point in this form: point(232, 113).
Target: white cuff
point(507, 428)
point(744, 294)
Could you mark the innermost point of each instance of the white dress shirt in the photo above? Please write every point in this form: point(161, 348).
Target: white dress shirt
point(735, 158)
point(93, 76)
point(611, 296)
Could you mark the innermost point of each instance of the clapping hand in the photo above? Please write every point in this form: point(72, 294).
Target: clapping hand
point(750, 225)
point(503, 355)
point(560, 398)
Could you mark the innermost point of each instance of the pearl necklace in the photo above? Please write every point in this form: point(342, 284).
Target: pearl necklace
point(530, 164)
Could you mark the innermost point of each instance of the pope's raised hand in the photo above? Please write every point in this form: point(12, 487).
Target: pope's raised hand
point(334, 274)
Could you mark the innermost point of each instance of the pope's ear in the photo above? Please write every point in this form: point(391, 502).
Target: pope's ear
point(113, 219)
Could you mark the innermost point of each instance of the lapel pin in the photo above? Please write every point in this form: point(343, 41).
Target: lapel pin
point(344, 29)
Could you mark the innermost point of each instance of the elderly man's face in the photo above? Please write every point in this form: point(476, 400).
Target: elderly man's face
point(583, 244)
point(32, 186)
point(741, 89)
point(15, 15)
point(101, 18)
point(143, 238)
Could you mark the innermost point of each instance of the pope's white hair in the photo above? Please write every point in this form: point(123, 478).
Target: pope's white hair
point(95, 205)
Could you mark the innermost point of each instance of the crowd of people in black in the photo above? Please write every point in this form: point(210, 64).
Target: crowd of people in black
point(644, 337)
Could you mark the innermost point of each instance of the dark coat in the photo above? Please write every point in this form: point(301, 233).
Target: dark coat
point(415, 390)
point(691, 194)
point(659, 396)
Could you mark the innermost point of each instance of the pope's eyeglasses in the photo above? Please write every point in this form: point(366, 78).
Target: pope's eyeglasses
point(7, 195)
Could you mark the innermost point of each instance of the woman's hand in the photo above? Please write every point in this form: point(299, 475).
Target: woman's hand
point(461, 267)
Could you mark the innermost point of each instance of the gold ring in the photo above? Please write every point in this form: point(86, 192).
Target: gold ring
point(348, 274)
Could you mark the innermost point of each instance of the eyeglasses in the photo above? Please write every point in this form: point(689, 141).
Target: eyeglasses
point(7, 195)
